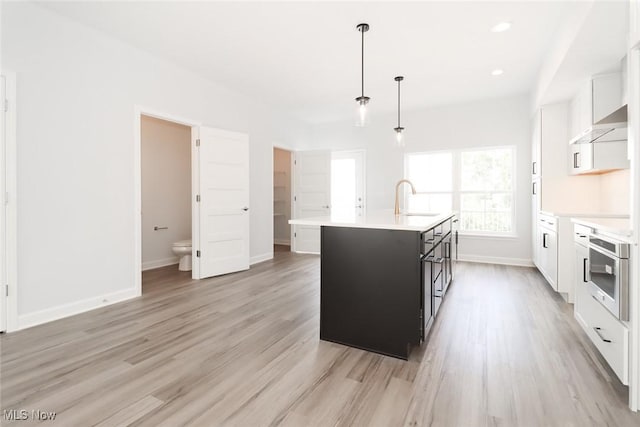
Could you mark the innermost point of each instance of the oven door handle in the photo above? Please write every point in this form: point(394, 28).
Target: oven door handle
point(586, 273)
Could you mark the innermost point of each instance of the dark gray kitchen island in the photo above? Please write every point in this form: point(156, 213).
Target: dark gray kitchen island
point(383, 278)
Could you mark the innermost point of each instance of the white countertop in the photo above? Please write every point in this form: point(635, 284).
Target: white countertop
point(585, 215)
point(616, 227)
point(383, 219)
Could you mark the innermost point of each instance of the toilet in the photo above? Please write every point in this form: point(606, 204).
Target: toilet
point(183, 250)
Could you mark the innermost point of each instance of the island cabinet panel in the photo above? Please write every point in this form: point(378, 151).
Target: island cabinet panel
point(371, 289)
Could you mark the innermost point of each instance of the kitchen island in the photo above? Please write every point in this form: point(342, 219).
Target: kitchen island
point(383, 277)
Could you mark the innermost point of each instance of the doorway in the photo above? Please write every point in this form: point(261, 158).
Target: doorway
point(282, 160)
point(166, 194)
point(348, 183)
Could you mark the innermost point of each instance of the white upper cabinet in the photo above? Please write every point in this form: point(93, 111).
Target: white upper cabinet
point(634, 24)
point(536, 145)
point(599, 97)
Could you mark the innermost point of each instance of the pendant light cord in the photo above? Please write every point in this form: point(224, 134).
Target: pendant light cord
point(362, 61)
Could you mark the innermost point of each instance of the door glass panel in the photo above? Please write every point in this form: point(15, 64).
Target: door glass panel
point(603, 270)
point(343, 186)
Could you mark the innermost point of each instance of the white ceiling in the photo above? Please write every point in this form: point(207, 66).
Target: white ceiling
point(304, 57)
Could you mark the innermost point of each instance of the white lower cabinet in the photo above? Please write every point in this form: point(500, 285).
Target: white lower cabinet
point(547, 240)
point(608, 334)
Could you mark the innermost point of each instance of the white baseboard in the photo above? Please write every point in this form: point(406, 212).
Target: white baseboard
point(285, 242)
point(66, 310)
point(306, 253)
point(260, 258)
point(150, 265)
point(519, 262)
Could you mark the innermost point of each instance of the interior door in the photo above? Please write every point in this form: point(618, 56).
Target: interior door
point(312, 196)
point(348, 182)
point(221, 197)
point(3, 213)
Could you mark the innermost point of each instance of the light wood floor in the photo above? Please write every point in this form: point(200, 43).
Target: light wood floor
point(243, 350)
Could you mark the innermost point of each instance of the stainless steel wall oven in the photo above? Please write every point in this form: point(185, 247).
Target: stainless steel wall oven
point(609, 274)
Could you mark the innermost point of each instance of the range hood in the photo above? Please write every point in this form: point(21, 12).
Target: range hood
point(611, 128)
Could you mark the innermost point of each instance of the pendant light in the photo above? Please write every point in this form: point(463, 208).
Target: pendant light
point(399, 129)
point(361, 117)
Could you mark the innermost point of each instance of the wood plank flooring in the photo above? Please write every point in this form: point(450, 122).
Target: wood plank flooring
point(243, 350)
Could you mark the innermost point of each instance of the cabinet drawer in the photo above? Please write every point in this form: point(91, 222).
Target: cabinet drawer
point(548, 221)
point(428, 241)
point(606, 332)
point(581, 234)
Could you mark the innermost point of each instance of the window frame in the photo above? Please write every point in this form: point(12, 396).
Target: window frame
point(456, 191)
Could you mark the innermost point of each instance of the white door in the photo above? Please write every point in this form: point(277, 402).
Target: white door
point(221, 212)
point(348, 183)
point(312, 196)
point(3, 213)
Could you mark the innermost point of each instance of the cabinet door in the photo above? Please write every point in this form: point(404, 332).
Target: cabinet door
point(542, 250)
point(427, 296)
point(634, 15)
point(535, 209)
point(552, 258)
point(607, 95)
point(536, 145)
point(580, 268)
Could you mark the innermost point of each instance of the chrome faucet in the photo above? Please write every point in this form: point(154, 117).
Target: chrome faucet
point(413, 190)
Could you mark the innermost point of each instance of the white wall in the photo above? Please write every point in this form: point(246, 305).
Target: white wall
point(281, 196)
point(166, 189)
point(77, 92)
point(615, 193)
point(478, 124)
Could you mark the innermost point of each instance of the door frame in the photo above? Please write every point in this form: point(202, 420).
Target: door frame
point(140, 111)
point(9, 213)
point(292, 157)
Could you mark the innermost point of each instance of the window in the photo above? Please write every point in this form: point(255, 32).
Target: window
point(478, 183)
point(432, 175)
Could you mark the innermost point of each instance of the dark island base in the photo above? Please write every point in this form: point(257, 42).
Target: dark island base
point(371, 289)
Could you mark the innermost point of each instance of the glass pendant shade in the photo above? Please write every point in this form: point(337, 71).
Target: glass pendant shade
point(362, 113)
point(400, 140)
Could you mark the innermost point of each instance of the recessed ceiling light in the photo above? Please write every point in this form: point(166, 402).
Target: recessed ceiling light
point(497, 72)
point(500, 27)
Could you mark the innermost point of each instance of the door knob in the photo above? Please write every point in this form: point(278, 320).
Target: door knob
point(326, 206)
point(359, 206)
point(245, 209)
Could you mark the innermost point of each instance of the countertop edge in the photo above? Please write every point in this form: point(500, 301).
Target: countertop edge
point(328, 222)
point(624, 235)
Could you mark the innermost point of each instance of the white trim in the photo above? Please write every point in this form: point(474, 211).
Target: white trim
point(285, 242)
point(150, 265)
point(195, 209)
point(76, 307)
point(307, 253)
point(518, 262)
point(139, 111)
point(261, 258)
point(12, 207)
